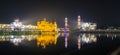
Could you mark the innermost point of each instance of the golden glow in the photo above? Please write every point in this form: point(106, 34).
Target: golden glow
point(46, 26)
point(45, 40)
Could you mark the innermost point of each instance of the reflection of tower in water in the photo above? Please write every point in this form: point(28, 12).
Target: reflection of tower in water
point(66, 42)
point(79, 42)
point(45, 40)
point(66, 39)
point(65, 35)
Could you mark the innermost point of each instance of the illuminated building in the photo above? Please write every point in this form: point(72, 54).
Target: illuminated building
point(85, 26)
point(30, 27)
point(93, 26)
point(4, 26)
point(88, 26)
point(44, 25)
point(45, 40)
point(16, 25)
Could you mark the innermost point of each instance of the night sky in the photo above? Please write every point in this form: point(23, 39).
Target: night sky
point(104, 13)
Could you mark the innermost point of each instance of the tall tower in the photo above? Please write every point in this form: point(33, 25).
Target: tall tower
point(66, 23)
point(79, 20)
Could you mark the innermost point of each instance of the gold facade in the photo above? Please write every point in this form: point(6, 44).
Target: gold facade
point(45, 40)
point(46, 26)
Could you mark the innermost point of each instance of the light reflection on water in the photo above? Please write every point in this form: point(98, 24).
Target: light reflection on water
point(81, 38)
point(16, 39)
point(51, 39)
point(45, 40)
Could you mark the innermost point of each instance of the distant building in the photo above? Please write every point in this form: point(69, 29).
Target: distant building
point(16, 25)
point(30, 27)
point(44, 25)
point(88, 26)
point(4, 26)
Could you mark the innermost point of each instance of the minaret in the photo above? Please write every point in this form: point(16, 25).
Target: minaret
point(79, 20)
point(66, 23)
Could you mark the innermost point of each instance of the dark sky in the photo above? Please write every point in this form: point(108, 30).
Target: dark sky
point(104, 13)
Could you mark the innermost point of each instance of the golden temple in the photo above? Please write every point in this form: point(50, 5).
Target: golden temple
point(44, 25)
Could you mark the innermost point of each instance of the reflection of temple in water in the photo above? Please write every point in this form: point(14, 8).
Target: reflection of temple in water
point(45, 40)
point(42, 40)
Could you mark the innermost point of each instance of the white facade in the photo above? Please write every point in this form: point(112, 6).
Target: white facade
point(16, 25)
point(88, 26)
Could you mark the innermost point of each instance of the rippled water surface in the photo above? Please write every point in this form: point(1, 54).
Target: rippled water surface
point(60, 44)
